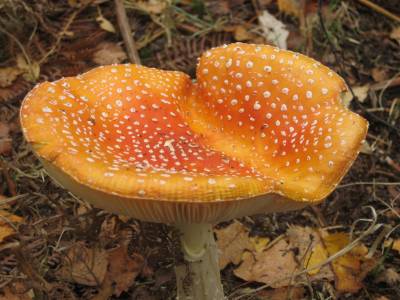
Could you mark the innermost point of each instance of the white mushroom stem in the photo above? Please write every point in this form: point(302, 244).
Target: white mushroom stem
point(199, 278)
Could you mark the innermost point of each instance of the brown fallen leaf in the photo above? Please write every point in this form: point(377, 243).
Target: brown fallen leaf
point(310, 251)
point(30, 69)
point(108, 230)
point(8, 294)
point(299, 8)
point(273, 267)
point(395, 34)
point(8, 76)
point(19, 88)
point(17, 290)
point(241, 34)
point(361, 92)
point(5, 228)
point(108, 53)
point(347, 268)
point(219, 7)
point(87, 266)
point(394, 244)
point(301, 248)
point(295, 39)
point(379, 74)
point(232, 241)
point(290, 7)
point(151, 7)
point(389, 276)
point(105, 24)
point(292, 293)
point(123, 269)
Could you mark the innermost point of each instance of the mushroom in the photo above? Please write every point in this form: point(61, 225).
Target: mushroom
point(262, 130)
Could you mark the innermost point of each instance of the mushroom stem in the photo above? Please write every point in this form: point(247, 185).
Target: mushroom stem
point(199, 278)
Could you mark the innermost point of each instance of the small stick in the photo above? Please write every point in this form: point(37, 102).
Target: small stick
point(380, 10)
point(126, 32)
point(61, 35)
point(386, 84)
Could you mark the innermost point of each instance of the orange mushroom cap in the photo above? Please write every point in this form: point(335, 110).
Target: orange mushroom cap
point(120, 131)
point(151, 144)
point(279, 112)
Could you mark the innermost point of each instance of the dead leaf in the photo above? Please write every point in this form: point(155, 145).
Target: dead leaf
point(395, 244)
point(8, 294)
point(347, 268)
point(292, 293)
point(299, 8)
point(258, 243)
point(232, 241)
point(366, 148)
point(296, 39)
point(395, 34)
point(388, 276)
point(108, 53)
point(105, 24)
point(105, 290)
point(273, 267)
point(8, 76)
point(5, 140)
point(5, 228)
point(123, 269)
point(17, 290)
point(276, 265)
point(274, 30)
point(317, 256)
point(290, 7)
point(310, 250)
point(30, 70)
point(151, 7)
point(219, 7)
point(361, 92)
point(241, 34)
point(87, 266)
point(379, 74)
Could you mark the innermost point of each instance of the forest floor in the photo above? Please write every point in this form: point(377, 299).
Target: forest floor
point(55, 246)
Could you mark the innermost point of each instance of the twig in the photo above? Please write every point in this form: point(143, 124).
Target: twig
point(11, 200)
point(61, 35)
point(367, 183)
point(380, 10)
point(339, 62)
point(126, 32)
point(19, 44)
point(386, 84)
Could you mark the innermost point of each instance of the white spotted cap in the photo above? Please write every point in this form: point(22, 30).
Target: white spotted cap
point(261, 131)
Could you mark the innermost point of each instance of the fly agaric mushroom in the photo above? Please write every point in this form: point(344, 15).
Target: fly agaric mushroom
point(262, 130)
